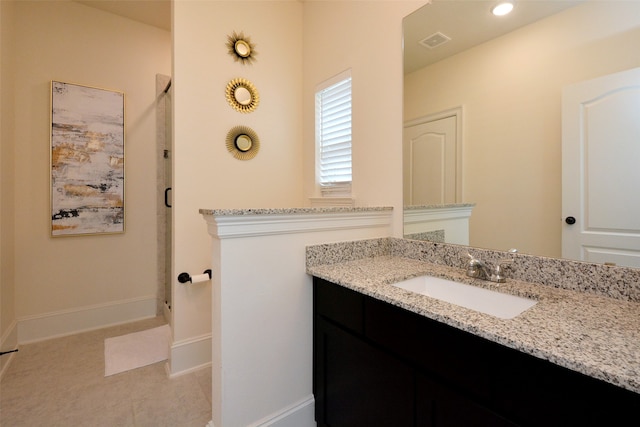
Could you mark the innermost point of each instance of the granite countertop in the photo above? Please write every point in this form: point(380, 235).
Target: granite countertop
point(592, 334)
point(439, 206)
point(290, 211)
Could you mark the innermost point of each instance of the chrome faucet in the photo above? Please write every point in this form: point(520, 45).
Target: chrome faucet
point(480, 270)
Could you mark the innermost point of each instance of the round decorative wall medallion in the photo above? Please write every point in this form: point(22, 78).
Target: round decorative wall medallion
point(241, 48)
point(242, 95)
point(243, 143)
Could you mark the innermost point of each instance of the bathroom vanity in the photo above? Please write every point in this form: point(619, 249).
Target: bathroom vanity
point(384, 356)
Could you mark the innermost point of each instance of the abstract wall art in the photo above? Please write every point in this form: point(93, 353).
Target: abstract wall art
point(87, 160)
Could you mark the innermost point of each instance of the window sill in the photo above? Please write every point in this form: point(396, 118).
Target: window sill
point(321, 202)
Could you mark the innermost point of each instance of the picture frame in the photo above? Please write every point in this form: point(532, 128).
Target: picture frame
point(87, 160)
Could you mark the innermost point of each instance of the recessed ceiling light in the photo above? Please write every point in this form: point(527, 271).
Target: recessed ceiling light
point(502, 8)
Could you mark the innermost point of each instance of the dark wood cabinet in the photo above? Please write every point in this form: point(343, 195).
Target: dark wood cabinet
point(376, 364)
point(438, 405)
point(361, 385)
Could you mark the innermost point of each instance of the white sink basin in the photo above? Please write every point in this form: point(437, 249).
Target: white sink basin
point(498, 304)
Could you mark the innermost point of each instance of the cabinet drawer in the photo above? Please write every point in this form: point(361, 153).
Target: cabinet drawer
point(338, 304)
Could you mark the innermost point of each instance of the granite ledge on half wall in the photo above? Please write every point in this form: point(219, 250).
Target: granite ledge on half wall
point(290, 211)
point(438, 206)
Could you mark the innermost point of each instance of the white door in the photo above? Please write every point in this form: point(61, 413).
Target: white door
point(431, 162)
point(601, 169)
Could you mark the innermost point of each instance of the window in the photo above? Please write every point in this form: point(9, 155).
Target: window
point(333, 135)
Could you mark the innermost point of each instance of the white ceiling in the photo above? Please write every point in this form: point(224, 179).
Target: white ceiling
point(468, 23)
point(151, 12)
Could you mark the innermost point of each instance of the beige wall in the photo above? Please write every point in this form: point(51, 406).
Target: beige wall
point(205, 173)
point(510, 90)
point(300, 45)
point(366, 37)
point(70, 42)
point(8, 333)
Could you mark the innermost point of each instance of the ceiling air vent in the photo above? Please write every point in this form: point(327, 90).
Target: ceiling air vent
point(434, 40)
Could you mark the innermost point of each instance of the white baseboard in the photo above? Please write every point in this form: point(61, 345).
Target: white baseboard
point(67, 322)
point(300, 413)
point(189, 355)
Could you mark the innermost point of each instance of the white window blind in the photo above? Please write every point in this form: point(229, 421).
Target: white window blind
point(333, 132)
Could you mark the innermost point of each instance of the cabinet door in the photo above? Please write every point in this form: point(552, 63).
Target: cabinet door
point(440, 406)
point(340, 305)
point(359, 385)
point(451, 354)
point(536, 392)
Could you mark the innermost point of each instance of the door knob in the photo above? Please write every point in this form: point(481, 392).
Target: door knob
point(570, 220)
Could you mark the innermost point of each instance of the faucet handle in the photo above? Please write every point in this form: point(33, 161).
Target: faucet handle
point(471, 258)
point(477, 269)
point(498, 273)
point(473, 261)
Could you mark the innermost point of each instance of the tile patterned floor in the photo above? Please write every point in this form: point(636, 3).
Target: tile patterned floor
point(61, 382)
